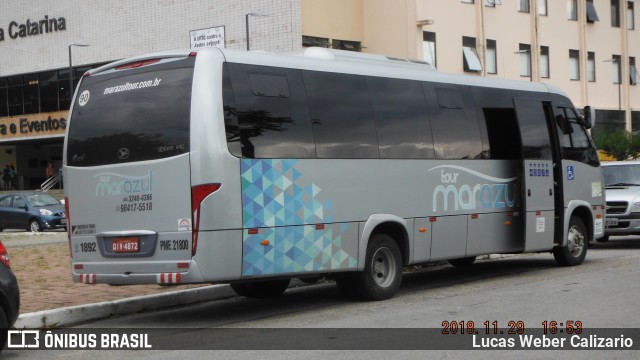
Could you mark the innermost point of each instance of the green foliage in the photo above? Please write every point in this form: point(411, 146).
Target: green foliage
point(619, 144)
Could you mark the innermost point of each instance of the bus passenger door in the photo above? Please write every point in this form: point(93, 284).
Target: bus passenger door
point(537, 179)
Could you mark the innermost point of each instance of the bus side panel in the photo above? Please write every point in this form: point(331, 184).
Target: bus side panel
point(277, 194)
point(421, 249)
point(495, 233)
point(219, 255)
point(591, 191)
point(211, 161)
point(449, 237)
point(299, 249)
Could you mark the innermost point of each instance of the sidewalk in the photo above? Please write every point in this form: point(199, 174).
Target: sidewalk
point(41, 263)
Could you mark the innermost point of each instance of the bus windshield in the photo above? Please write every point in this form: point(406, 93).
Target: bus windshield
point(131, 115)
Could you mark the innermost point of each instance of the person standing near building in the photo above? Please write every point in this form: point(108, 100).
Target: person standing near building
point(5, 178)
point(13, 175)
point(50, 171)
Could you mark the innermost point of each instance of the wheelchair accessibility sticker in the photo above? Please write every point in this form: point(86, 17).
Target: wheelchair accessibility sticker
point(570, 174)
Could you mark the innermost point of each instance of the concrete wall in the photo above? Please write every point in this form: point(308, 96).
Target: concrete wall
point(117, 29)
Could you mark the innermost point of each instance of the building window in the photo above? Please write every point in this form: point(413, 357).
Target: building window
point(525, 60)
point(592, 15)
point(429, 47)
point(631, 24)
point(15, 95)
point(615, 13)
point(635, 121)
point(523, 6)
point(542, 7)
point(470, 55)
point(632, 71)
point(572, 9)
point(48, 83)
point(574, 64)
point(609, 121)
point(309, 41)
point(31, 94)
point(346, 45)
point(4, 107)
point(591, 66)
point(492, 57)
point(46, 91)
point(616, 74)
point(544, 62)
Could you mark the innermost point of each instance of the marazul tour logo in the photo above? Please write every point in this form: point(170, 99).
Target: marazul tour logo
point(117, 184)
point(489, 193)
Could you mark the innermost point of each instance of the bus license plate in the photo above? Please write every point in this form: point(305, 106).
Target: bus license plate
point(608, 222)
point(125, 245)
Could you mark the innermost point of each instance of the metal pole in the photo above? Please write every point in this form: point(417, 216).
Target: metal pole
point(620, 94)
point(246, 22)
point(71, 69)
point(70, 74)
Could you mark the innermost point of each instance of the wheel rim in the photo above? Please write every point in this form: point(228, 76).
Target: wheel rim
point(576, 241)
point(383, 267)
point(35, 227)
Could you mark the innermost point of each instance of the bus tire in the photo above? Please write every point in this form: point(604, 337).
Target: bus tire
point(382, 273)
point(4, 327)
point(576, 249)
point(462, 262)
point(261, 289)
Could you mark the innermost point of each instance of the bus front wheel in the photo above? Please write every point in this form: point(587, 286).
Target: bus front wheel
point(576, 249)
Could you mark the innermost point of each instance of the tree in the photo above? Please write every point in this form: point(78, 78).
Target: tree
point(620, 144)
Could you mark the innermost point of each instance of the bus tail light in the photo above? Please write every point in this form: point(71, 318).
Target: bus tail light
point(198, 194)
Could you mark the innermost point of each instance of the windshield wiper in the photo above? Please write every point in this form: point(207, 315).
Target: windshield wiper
point(622, 184)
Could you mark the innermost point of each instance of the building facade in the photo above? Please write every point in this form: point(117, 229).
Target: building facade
point(588, 48)
point(35, 56)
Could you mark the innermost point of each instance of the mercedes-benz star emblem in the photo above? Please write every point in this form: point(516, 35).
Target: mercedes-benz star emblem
point(123, 153)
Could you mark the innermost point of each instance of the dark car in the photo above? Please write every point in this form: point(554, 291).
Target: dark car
point(9, 296)
point(33, 211)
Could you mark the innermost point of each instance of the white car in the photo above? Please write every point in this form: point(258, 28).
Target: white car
point(622, 191)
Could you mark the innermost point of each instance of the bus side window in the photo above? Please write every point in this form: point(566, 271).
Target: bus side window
point(402, 120)
point(454, 123)
point(230, 114)
point(341, 114)
point(273, 119)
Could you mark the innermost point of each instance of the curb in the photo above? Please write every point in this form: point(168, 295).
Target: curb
point(74, 315)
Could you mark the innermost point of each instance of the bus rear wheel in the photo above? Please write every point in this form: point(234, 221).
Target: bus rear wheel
point(261, 289)
point(382, 273)
point(576, 249)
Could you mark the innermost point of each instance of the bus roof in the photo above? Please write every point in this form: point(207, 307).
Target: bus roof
point(341, 61)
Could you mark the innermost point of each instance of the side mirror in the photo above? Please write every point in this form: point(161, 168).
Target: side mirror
point(589, 118)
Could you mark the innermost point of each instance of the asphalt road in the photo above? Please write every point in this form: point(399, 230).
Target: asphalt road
point(604, 292)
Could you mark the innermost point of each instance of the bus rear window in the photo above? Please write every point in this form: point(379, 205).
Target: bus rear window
point(130, 116)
